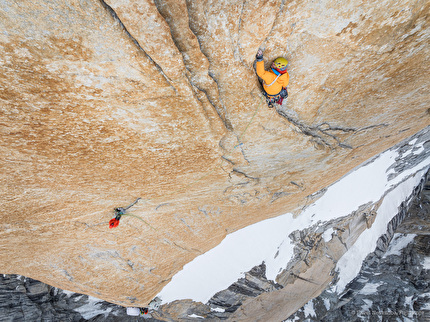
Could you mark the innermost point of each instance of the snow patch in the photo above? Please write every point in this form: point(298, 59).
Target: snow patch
point(426, 263)
point(327, 304)
point(195, 316)
point(91, 309)
point(399, 242)
point(370, 288)
point(237, 253)
point(309, 309)
point(328, 235)
point(368, 304)
point(412, 142)
point(408, 302)
point(419, 149)
point(218, 309)
point(350, 263)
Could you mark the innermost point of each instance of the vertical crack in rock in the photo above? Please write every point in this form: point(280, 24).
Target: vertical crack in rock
point(200, 81)
point(221, 109)
point(115, 16)
point(281, 8)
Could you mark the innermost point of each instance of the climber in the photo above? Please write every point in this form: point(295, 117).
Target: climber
point(114, 222)
point(275, 81)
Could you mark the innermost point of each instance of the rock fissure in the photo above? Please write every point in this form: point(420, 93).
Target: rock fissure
point(313, 131)
point(323, 129)
point(197, 77)
point(134, 40)
point(281, 8)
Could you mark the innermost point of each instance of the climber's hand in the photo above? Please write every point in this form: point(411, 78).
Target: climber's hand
point(259, 55)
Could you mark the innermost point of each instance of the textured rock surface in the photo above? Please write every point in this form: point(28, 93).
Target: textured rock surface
point(104, 102)
point(399, 276)
point(25, 299)
point(402, 274)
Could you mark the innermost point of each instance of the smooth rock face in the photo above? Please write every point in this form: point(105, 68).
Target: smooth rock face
point(104, 102)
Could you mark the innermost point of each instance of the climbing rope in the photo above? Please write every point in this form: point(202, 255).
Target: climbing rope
point(252, 119)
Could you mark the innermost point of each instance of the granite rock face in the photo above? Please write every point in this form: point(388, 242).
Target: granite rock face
point(398, 269)
point(393, 284)
point(102, 102)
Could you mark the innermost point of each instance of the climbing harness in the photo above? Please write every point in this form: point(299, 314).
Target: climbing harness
point(278, 98)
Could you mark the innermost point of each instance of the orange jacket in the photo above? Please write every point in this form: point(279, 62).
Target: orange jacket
point(269, 77)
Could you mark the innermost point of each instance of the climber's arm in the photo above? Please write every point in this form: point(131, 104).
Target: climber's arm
point(262, 73)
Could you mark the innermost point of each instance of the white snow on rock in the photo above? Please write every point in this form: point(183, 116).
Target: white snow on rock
point(328, 235)
point(327, 303)
point(68, 293)
point(350, 263)
point(426, 263)
point(133, 311)
point(368, 304)
point(399, 242)
point(267, 241)
point(370, 288)
point(195, 316)
point(91, 309)
point(218, 309)
point(309, 310)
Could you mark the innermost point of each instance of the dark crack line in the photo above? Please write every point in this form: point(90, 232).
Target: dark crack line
point(228, 160)
point(303, 279)
point(222, 114)
point(305, 129)
point(317, 132)
point(223, 119)
point(345, 130)
point(115, 16)
point(244, 174)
